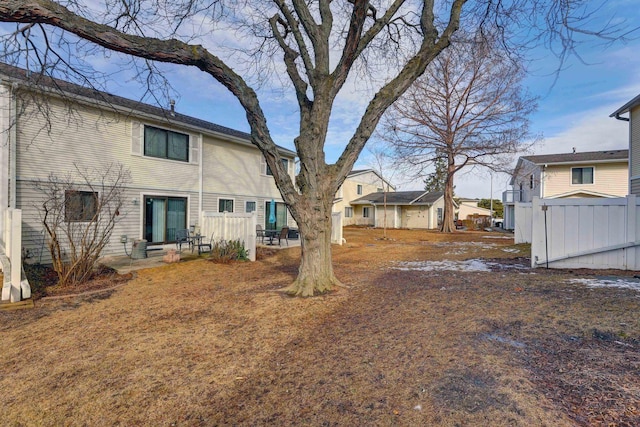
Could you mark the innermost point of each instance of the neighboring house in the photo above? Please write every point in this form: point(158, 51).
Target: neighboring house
point(633, 109)
point(180, 165)
point(357, 184)
point(469, 208)
point(405, 209)
point(567, 175)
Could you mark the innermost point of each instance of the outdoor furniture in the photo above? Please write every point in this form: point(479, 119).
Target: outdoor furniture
point(200, 242)
point(270, 234)
point(260, 232)
point(183, 237)
point(284, 234)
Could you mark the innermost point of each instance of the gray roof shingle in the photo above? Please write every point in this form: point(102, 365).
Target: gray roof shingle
point(401, 198)
point(591, 156)
point(11, 72)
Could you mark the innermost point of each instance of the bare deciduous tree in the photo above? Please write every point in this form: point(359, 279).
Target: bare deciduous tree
point(317, 44)
point(79, 212)
point(468, 108)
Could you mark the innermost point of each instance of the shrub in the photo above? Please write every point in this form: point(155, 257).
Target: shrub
point(225, 251)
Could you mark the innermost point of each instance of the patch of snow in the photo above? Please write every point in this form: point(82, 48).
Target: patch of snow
point(469, 265)
point(511, 250)
point(622, 283)
point(497, 237)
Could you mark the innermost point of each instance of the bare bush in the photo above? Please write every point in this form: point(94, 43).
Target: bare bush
point(79, 212)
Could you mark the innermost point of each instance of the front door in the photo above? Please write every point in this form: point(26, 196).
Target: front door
point(163, 216)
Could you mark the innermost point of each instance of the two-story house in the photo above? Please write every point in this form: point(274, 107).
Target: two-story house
point(357, 184)
point(551, 176)
point(180, 165)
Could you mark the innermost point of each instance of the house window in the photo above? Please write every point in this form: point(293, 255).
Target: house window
point(250, 207)
point(166, 144)
point(582, 175)
point(163, 216)
point(285, 164)
point(531, 182)
point(359, 189)
point(225, 205)
point(80, 205)
point(439, 216)
point(366, 212)
point(379, 189)
point(348, 212)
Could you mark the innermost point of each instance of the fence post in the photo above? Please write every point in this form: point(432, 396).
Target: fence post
point(629, 254)
point(537, 231)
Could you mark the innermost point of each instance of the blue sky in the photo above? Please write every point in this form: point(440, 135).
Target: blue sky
point(574, 106)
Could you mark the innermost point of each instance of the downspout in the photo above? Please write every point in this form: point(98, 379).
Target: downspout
point(544, 167)
point(200, 180)
point(628, 119)
point(13, 134)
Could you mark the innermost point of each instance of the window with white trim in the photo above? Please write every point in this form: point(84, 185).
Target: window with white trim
point(166, 144)
point(582, 175)
point(359, 189)
point(80, 206)
point(285, 164)
point(225, 205)
point(249, 207)
point(366, 212)
point(348, 212)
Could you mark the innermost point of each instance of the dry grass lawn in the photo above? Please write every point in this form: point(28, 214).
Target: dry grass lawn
point(202, 344)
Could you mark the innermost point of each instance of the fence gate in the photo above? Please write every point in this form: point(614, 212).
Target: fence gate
point(593, 233)
point(231, 226)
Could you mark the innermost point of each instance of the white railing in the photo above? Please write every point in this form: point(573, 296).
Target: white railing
point(15, 286)
point(586, 233)
point(231, 226)
point(511, 196)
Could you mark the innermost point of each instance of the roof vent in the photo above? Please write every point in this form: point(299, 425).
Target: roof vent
point(172, 103)
point(574, 148)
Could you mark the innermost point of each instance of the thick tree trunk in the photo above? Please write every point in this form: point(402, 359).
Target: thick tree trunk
point(315, 275)
point(448, 217)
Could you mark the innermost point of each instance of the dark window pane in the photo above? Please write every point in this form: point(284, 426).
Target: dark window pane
point(80, 205)
point(166, 144)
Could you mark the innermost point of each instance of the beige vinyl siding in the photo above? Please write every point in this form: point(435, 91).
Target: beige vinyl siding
point(415, 217)
point(466, 210)
point(349, 192)
point(608, 178)
point(634, 132)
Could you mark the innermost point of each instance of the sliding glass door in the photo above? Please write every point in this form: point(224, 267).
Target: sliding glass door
point(163, 216)
point(280, 216)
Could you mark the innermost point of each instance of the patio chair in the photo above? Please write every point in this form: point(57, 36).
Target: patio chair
point(182, 237)
point(284, 234)
point(202, 243)
point(260, 232)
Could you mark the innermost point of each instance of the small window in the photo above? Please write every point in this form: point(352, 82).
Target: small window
point(531, 182)
point(80, 205)
point(366, 212)
point(166, 144)
point(348, 212)
point(225, 205)
point(582, 175)
point(359, 189)
point(250, 207)
point(439, 213)
point(380, 189)
point(285, 164)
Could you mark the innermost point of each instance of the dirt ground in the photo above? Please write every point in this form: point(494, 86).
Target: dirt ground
point(477, 340)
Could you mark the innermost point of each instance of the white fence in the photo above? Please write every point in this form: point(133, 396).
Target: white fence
point(336, 227)
point(231, 226)
point(586, 233)
point(15, 286)
point(522, 232)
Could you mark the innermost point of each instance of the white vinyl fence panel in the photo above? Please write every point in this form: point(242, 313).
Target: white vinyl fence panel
point(522, 229)
point(231, 226)
point(595, 233)
point(15, 285)
point(336, 227)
